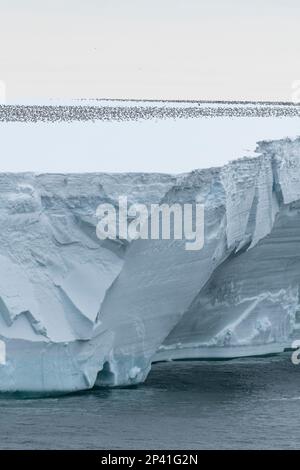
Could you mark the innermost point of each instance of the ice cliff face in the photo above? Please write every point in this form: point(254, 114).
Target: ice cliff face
point(55, 273)
point(250, 305)
point(76, 311)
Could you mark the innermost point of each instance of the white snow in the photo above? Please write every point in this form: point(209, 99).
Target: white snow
point(169, 146)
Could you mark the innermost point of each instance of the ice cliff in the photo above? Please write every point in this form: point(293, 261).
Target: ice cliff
point(77, 312)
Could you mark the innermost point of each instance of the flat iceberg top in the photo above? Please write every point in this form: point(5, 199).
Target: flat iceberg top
point(124, 136)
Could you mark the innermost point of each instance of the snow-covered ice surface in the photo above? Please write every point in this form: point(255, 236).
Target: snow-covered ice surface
point(77, 312)
point(137, 137)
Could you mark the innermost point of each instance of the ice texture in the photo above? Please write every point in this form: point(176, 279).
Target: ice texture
point(76, 312)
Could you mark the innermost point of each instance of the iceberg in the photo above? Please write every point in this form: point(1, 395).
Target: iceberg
point(78, 312)
point(250, 305)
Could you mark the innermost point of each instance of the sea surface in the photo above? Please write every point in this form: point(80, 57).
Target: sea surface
point(238, 404)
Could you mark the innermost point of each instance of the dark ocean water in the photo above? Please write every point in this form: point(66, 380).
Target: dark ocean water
point(240, 404)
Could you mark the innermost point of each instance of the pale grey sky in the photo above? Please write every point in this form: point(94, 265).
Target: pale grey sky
point(156, 49)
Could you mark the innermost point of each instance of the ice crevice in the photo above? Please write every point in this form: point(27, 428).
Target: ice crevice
point(76, 312)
